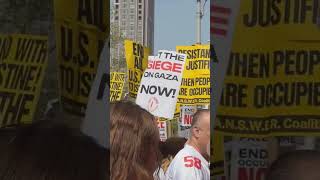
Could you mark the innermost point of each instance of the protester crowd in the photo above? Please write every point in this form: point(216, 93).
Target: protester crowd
point(46, 150)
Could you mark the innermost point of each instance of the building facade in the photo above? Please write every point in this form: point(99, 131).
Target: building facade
point(134, 19)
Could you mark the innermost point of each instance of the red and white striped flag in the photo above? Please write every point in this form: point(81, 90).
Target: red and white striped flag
point(219, 19)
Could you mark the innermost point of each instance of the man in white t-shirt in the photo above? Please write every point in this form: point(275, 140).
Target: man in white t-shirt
point(189, 163)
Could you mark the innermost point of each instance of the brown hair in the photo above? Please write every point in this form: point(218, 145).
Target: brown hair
point(296, 165)
point(47, 150)
point(172, 146)
point(133, 135)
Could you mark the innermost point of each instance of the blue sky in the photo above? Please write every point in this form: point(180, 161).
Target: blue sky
point(175, 24)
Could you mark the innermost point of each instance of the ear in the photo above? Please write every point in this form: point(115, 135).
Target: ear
point(196, 132)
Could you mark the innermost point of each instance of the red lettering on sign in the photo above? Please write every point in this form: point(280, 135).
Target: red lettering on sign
point(192, 162)
point(161, 125)
point(251, 173)
point(187, 119)
point(165, 65)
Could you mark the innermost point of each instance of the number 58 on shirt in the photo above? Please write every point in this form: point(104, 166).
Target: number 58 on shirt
point(190, 161)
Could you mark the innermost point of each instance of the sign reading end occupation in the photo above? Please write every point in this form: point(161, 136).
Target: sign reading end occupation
point(160, 84)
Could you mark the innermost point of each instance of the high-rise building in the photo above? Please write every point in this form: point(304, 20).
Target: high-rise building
point(135, 20)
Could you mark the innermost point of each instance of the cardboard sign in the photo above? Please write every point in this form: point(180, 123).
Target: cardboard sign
point(23, 63)
point(272, 89)
point(95, 123)
point(187, 115)
point(160, 84)
point(249, 159)
point(162, 125)
point(222, 24)
point(137, 60)
point(81, 29)
point(116, 86)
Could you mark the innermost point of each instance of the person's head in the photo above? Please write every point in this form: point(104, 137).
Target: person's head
point(296, 165)
point(200, 130)
point(134, 142)
point(46, 150)
point(172, 146)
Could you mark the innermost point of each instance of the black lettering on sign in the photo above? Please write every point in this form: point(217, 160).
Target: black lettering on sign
point(116, 86)
point(234, 95)
point(83, 42)
point(66, 43)
point(66, 79)
point(20, 77)
point(197, 91)
point(158, 90)
point(197, 53)
point(91, 12)
point(85, 11)
point(287, 94)
point(31, 50)
point(161, 76)
point(253, 65)
point(183, 91)
point(118, 77)
point(5, 46)
point(138, 50)
point(296, 62)
point(114, 95)
point(105, 81)
point(253, 153)
point(85, 80)
point(13, 107)
point(138, 63)
point(198, 64)
point(273, 12)
point(133, 88)
point(133, 76)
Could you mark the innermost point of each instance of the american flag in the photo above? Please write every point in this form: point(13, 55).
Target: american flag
point(219, 20)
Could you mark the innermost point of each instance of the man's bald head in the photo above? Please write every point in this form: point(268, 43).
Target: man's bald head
point(200, 115)
point(297, 165)
point(200, 130)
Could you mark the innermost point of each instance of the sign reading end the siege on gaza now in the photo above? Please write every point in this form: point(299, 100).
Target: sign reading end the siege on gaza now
point(80, 35)
point(160, 84)
point(23, 62)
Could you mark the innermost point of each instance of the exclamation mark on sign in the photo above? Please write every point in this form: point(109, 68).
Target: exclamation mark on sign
point(37, 79)
point(174, 93)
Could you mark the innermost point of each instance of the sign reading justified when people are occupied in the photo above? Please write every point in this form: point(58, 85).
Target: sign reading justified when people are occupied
point(273, 88)
point(195, 85)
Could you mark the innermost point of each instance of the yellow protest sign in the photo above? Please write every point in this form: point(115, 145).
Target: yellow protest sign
point(116, 86)
point(23, 62)
point(272, 88)
point(137, 61)
point(80, 35)
point(195, 85)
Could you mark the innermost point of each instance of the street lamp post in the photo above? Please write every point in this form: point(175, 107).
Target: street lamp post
point(198, 22)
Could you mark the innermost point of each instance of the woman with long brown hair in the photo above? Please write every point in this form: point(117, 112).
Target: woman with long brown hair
point(134, 142)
